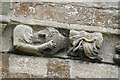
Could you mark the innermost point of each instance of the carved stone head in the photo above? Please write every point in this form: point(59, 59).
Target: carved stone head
point(22, 33)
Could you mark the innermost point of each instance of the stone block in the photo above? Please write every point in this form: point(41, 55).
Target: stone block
point(103, 14)
point(106, 18)
point(46, 14)
point(5, 8)
point(108, 48)
point(58, 68)
point(28, 65)
point(92, 70)
point(5, 65)
point(0, 8)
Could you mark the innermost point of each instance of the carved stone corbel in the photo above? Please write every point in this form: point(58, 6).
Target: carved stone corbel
point(49, 41)
point(85, 45)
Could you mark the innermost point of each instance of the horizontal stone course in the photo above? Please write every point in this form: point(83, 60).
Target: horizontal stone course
point(97, 14)
point(59, 1)
point(44, 23)
point(22, 67)
point(65, 25)
point(90, 70)
point(104, 14)
point(29, 65)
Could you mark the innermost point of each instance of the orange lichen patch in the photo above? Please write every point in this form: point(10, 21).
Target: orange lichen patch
point(100, 18)
point(24, 8)
point(43, 11)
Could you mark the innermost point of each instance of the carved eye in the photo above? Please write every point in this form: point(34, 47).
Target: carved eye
point(28, 31)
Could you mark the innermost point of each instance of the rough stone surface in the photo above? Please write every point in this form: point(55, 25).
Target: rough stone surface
point(44, 23)
point(5, 65)
point(98, 14)
point(2, 27)
point(5, 8)
point(7, 39)
point(90, 70)
point(104, 14)
point(17, 66)
point(108, 48)
point(0, 65)
point(119, 72)
point(0, 43)
point(29, 65)
point(58, 68)
point(0, 32)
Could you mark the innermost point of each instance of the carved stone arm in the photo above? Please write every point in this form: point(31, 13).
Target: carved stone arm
point(35, 49)
point(28, 48)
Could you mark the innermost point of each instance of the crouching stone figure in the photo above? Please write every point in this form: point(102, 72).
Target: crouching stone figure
point(44, 42)
point(85, 45)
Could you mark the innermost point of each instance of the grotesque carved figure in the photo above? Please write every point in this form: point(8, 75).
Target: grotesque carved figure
point(44, 42)
point(85, 44)
point(116, 57)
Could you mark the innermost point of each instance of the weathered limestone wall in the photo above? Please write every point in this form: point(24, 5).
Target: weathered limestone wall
point(103, 14)
point(17, 66)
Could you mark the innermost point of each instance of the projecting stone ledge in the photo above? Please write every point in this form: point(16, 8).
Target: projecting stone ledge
point(35, 22)
point(37, 67)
